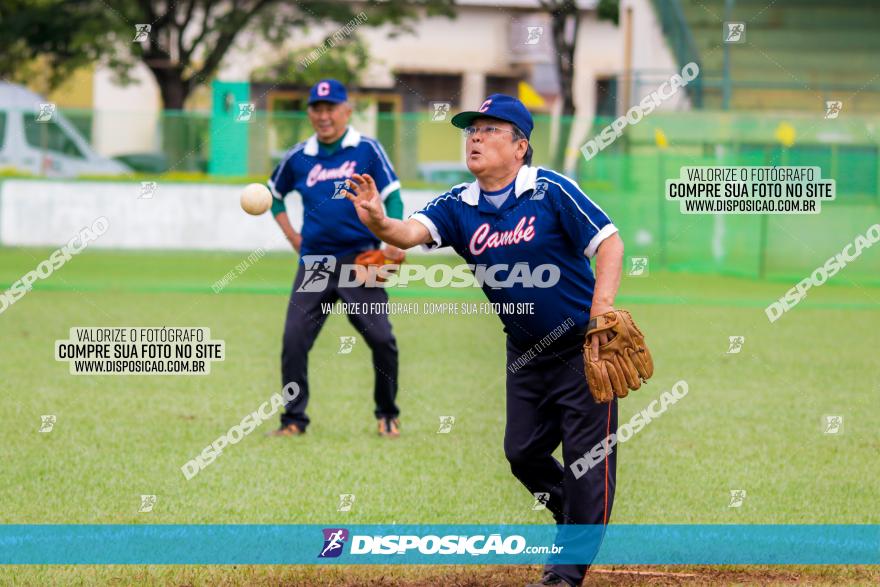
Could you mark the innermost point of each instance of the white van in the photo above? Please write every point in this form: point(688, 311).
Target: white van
point(34, 138)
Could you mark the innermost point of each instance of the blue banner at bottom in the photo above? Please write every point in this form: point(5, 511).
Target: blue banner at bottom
point(440, 544)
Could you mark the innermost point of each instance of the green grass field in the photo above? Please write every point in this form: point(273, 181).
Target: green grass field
point(751, 421)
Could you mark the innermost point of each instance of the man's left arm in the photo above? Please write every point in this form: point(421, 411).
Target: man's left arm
point(592, 231)
point(628, 361)
point(609, 267)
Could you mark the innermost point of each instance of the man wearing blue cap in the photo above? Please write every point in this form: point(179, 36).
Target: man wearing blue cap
point(513, 214)
point(333, 238)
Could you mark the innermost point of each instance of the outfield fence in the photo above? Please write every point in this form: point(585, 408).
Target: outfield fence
point(627, 178)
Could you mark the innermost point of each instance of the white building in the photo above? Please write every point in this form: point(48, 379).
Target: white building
point(489, 47)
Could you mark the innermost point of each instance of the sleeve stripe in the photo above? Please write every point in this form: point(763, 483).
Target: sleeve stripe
point(587, 216)
point(439, 199)
point(450, 194)
point(272, 189)
point(385, 156)
point(574, 184)
point(424, 219)
point(271, 183)
point(380, 153)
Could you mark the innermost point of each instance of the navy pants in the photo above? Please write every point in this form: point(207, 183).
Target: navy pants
point(548, 403)
point(305, 317)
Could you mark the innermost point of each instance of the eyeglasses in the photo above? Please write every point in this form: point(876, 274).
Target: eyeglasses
point(487, 130)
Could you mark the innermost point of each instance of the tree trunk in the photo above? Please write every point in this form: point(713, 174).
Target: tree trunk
point(174, 126)
point(566, 121)
point(565, 30)
point(173, 88)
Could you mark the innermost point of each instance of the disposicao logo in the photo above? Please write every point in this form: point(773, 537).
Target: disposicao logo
point(334, 540)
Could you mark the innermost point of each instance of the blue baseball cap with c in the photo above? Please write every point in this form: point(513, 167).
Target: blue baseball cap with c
point(328, 90)
point(502, 107)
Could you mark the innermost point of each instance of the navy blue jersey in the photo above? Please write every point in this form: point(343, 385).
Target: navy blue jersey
point(547, 220)
point(330, 223)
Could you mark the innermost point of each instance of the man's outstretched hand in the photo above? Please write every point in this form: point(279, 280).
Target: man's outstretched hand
point(361, 190)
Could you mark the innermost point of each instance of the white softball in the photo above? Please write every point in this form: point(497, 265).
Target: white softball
point(256, 199)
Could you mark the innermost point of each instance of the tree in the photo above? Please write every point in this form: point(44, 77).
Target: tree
point(565, 22)
point(49, 41)
point(347, 60)
point(186, 41)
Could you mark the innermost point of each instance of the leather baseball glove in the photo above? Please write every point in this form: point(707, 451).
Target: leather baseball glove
point(378, 258)
point(624, 361)
point(372, 257)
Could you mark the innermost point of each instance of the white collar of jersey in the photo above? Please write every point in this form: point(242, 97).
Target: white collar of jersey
point(352, 139)
point(525, 181)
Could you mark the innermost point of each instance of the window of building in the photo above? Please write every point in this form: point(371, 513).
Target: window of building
point(498, 84)
point(418, 90)
point(606, 97)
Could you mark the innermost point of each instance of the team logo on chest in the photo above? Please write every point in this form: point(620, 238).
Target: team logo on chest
point(482, 239)
point(320, 173)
